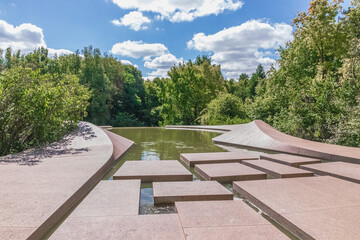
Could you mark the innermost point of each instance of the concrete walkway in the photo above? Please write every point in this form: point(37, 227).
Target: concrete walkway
point(39, 186)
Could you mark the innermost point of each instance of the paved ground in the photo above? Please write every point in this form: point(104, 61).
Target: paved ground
point(312, 208)
point(38, 186)
point(228, 172)
point(154, 171)
point(191, 159)
point(224, 220)
point(171, 192)
point(343, 170)
point(291, 160)
point(277, 170)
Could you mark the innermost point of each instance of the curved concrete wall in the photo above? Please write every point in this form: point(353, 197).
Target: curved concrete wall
point(35, 197)
point(260, 135)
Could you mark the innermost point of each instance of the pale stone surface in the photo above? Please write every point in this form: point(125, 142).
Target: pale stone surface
point(141, 227)
point(191, 159)
point(277, 170)
point(51, 180)
point(154, 171)
point(343, 170)
point(312, 208)
point(263, 232)
point(223, 220)
point(111, 198)
point(260, 135)
point(288, 159)
point(228, 172)
point(170, 192)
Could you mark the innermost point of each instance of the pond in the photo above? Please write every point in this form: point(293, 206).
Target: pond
point(162, 144)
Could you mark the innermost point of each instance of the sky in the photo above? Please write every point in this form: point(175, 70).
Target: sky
point(153, 35)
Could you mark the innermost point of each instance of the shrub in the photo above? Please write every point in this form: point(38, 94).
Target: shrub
point(36, 108)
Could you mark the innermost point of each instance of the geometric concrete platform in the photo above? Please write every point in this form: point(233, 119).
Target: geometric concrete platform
point(141, 227)
point(312, 208)
point(224, 220)
point(154, 171)
point(292, 160)
point(191, 159)
point(170, 192)
point(343, 170)
point(228, 172)
point(111, 198)
point(278, 170)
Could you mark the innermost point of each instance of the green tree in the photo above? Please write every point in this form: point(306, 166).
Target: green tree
point(225, 109)
point(188, 91)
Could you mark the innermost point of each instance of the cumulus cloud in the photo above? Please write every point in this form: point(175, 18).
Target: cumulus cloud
point(134, 20)
point(127, 62)
point(138, 49)
point(180, 10)
point(161, 65)
point(240, 49)
point(25, 37)
point(58, 52)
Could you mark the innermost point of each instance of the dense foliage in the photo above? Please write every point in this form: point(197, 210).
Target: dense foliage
point(312, 92)
point(43, 98)
point(38, 108)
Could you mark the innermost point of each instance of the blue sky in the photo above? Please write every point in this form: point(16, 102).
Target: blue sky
point(154, 35)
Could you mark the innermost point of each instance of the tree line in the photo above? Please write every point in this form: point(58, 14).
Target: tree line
point(312, 93)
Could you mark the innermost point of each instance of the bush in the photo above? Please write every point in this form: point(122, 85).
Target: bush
point(36, 108)
point(225, 109)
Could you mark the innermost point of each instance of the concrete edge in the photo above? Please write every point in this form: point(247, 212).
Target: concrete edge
point(67, 206)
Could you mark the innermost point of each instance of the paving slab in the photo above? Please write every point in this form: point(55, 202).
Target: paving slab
point(224, 220)
point(278, 170)
point(228, 172)
point(263, 232)
point(141, 227)
point(171, 192)
point(288, 159)
point(343, 170)
point(191, 159)
point(311, 208)
point(154, 171)
point(111, 198)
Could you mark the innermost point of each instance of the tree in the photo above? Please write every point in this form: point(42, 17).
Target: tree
point(188, 90)
point(225, 109)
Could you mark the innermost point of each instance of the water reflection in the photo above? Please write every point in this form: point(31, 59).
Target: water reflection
point(166, 144)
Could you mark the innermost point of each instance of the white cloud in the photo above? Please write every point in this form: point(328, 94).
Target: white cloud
point(138, 49)
point(25, 37)
point(240, 49)
point(127, 62)
point(180, 10)
point(135, 20)
point(161, 65)
point(58, 52)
